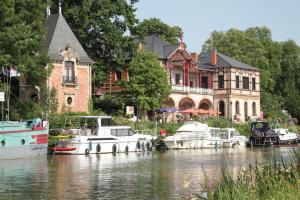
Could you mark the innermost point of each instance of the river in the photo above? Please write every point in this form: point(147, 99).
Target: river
point(144, 175)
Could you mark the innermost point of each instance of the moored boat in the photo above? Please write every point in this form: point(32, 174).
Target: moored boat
point(263, 135)
point(23, 139)
point(99, 134)
point(193, 135)
point(286, 137)
point(230, 137)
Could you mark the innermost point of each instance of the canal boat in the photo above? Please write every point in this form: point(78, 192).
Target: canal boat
point(193, 135)
point(263, 135)
point(23, 139)
point(230, 137)
point(286, 137)
point(99, 134)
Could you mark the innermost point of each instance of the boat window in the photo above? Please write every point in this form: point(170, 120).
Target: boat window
point(131, 132)
point(107, 122)
point(232, 134)
point(122, 132)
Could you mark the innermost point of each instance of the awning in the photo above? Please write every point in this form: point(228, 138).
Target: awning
point(168, 109)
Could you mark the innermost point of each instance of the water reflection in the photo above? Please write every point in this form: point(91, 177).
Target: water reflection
point(24, 178)
point(168, 175)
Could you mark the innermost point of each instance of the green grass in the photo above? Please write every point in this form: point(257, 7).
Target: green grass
point(272, 181)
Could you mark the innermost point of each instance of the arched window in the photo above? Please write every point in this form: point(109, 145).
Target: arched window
point(254, 109)
point(237, 108)
point(246, 110)
point(222, 108)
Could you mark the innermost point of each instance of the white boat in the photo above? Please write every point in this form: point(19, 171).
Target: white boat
point(286, 137)
point(230, 137)
point(193, 135)
point(99, 134)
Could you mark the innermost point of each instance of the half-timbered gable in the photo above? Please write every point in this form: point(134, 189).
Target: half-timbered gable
point(236, 86)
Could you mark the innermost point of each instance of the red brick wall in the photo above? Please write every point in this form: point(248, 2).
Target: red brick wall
point(78, 92)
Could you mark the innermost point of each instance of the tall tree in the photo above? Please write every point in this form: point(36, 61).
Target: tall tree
point(148, 86)
point(101, 26)
point(22, 31)
point(22, 38)
point(154, 26)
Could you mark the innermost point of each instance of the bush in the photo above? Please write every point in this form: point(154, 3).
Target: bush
point(217, 122)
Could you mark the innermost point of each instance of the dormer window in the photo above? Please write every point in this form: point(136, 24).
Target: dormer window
point(69, 72)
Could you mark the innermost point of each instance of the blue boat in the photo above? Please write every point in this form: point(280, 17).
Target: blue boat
point(23, 139)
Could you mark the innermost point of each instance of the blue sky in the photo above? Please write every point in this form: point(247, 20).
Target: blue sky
point(198, 18)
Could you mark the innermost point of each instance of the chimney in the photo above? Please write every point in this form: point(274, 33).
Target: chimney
point(214, 58)
point(194, 56)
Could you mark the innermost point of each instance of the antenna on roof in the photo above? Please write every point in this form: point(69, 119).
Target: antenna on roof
point(59, 7)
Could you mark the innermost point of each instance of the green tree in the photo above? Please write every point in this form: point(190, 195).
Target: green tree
point(154, 26)
point(22, 32)
point(148, 86)
point(22, 38)
point(101, 26)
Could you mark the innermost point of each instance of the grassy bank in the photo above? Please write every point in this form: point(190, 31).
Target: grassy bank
point(273, 181)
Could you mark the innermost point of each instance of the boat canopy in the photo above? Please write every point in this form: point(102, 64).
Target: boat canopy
point(192, 126)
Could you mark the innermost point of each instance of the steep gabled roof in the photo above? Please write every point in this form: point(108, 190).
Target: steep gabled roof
point(162, 48)
point(59, 36)
point(204, 61)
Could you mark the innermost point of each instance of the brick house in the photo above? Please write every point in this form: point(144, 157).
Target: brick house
point(71, 73)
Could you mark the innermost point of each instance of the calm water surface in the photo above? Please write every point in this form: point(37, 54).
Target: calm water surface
point(148, 175)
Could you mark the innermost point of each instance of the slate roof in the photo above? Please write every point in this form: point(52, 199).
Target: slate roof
point(59, 36)
point(162, 48)
point(204, 61)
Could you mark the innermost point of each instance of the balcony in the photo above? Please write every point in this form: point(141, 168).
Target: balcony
point(69, 80)
point(194, 90)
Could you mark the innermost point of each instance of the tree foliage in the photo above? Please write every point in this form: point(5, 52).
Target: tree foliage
point(22, 33)
point(279, 62)
point(148, 86)
point(22, 38)
point(154, 26)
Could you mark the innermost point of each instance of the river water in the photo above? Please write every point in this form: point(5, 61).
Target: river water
point(143, 175)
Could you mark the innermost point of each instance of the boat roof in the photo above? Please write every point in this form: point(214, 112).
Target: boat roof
point(193, 126)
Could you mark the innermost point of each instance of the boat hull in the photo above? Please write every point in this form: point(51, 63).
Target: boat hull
point(21, 140)
point(102, 147)
point(193, 144)
point(23, 151)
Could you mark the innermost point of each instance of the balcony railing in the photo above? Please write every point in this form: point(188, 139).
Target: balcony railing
point(180, 88)
point(70, 80)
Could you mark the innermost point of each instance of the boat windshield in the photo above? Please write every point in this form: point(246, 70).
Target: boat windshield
point(88, 123)
point(222, 133)
point(107, 122)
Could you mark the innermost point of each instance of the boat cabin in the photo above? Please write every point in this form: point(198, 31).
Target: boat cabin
point(100, 126)
point(224, 133)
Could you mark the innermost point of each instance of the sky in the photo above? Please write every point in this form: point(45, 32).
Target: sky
point(198, 18)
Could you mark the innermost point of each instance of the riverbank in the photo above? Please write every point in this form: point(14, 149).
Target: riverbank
point(276, 180)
